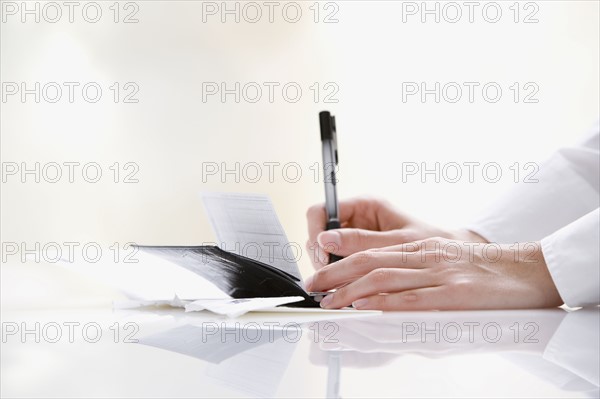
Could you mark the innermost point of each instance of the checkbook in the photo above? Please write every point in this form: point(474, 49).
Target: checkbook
point(253, 257)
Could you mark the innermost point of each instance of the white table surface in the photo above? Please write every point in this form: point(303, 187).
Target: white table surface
point(396, 354)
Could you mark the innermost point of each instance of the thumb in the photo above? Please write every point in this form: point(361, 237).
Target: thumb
point(345, 242)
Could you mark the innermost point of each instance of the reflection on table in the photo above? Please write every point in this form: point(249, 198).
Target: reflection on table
point(252, 357)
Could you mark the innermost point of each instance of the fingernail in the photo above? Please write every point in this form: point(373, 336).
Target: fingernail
point(308, 283)
point(330, 239)
point(326, 301)
point(360, 303)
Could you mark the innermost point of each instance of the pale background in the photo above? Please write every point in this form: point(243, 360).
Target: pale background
point(171, 132)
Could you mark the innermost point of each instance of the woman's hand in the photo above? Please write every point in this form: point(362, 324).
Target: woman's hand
point(438, 273)
point(368, 223)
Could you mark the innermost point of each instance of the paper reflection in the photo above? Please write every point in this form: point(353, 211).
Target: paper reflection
point(250, 357)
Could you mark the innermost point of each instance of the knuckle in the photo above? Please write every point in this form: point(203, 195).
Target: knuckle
point(412, 246)
point(362, 258)
point(373, 199)
point(379, 276)
point(420, 245)
point(441, 240)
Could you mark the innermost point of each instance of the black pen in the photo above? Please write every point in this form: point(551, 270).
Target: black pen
point(330, 164)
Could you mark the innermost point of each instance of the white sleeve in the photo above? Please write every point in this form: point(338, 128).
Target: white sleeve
point(567, 188)
point(573, 258)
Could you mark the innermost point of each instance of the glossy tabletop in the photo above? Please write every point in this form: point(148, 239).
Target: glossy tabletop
point(164, 352)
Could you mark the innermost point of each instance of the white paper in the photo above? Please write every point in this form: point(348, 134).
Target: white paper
point(176, 302)
point(247, 225)
point(237, 307)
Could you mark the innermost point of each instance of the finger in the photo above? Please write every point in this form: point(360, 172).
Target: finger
point(431, 251)
point(377, 282)
point(316, 223)
point(345, 242)
point(318, 257)
point(355, 266)
point(316, 217)
point(372, 214)
point(407, 247)
point(365, 213)
point(428, 298)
